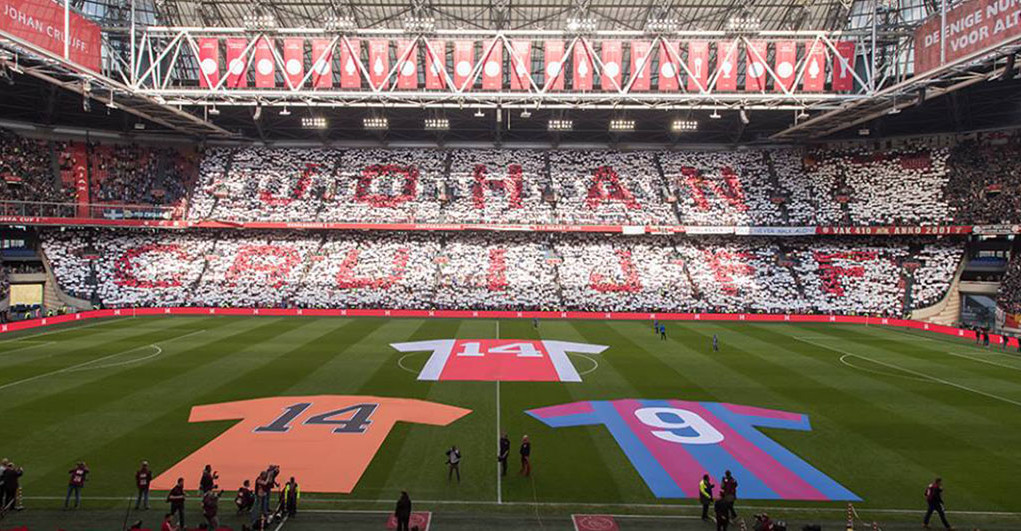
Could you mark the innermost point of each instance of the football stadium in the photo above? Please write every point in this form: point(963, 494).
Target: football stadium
point(588, 265)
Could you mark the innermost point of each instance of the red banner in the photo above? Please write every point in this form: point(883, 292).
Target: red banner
point(265, 66)
point(698, 65)
point(784, 64)
point(350, 57)
point(492, 67)
point(669, 67)
point(583, 68)
point(521, 65)
point(553, 52)
point(237, 64)
point(407, 65)
point(755, 70)
point(80, 174)
point(613, 65)
point(814, 78)
point(379, 62)
point(209, 62)
point(41, 23)
point(726, 65)
point(843, 68)
point(436, 59)
point(972, 26)
point(322, 63)
point(641, 65)
point(464, 63)
point(294, 61)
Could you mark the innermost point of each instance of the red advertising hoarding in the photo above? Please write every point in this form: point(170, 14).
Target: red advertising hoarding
point(407, 64)
point(553, 52)
point(972, 26)
point(322, 63)
point(641, 65)
point(843, 67)
point(755, 71)
point(669, 68)
point(379, 62)
point(237, 63)
point(350, 74)
point(784, 64)
point(492, 67)
point(41, 23)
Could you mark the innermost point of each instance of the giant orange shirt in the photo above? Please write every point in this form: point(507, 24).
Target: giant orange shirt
point(324, 441)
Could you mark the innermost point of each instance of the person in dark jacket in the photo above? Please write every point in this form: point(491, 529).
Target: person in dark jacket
point(934, 497)
point(454, 463)
point(176, 498)
point(9, 493)
point(403, 512)
point(208, 481)
point(504, 453)
point(728, 491)
point(78, 475)
point(526, 456)
point(722, 510)
point(245, 498)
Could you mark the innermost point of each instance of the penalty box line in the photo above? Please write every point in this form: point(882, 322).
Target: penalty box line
point(916, 373)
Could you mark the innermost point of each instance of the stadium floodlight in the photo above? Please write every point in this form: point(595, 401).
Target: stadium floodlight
point(622, 125)
point(437, 124)
point(335, 23)
point(417, 24)
point(744, 24)
point(258, 22)
point(559, 124)
point(661, 25)
point(376, 123)
point(580, 25)
point(684, 126)
point(313, 122)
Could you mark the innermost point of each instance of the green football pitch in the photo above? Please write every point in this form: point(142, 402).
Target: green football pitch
point(889, 411)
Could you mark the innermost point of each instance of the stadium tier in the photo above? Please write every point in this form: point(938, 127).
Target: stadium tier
point(887, 276)
point(783, 187)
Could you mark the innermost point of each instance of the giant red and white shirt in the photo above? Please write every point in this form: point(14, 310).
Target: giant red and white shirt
point(326, 441)
point(509, 360)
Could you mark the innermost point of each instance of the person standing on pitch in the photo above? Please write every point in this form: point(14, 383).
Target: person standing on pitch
point(705, 495)
point(292, 493)
point(662, 332)
point(211, 508)
point(208, 481)
point(526, 456)
point(504, 453)
point(722, 510)
point(176, 499)
point(403, 512)
point(261, 496)
point(728, 491)
point(454, 463)
point(9, 479)
point(716, 343)
point(142, 479)
point(934, 497)
point(74, 486)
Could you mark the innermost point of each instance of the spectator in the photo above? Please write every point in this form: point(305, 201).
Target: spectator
point(78, 475)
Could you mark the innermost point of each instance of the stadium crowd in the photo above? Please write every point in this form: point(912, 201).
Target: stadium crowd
point(1009, 296)
point(26, 171)
point(971, 183)
point(497, 271)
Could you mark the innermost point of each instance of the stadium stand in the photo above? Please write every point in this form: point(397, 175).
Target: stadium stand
point(423, 271)
point(26, 171)
point(1009, 295)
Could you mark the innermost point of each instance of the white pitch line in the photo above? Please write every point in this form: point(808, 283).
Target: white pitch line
point(917, 373)
point(499, 477)
point(972, 358)
point(692, 505)
point(282, 522)
point(122, 363)
point(842, 360)
point(84, 364)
